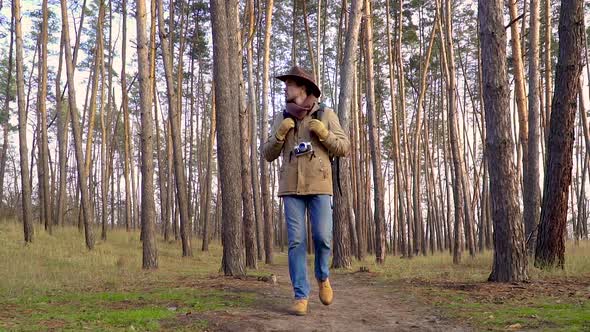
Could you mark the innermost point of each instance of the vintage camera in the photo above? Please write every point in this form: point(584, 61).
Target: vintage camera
point(302, 148)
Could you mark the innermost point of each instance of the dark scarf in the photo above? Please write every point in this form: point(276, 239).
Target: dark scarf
point(300, 111)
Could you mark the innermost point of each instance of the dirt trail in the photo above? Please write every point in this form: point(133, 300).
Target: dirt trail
point(360, 304)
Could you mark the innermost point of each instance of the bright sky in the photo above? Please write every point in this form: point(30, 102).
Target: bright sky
point(80, 76)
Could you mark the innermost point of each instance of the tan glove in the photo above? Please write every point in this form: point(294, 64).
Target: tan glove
point(284, 128)
point(319, 129)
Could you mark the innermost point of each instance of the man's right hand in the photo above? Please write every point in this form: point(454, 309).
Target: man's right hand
point(284, 128)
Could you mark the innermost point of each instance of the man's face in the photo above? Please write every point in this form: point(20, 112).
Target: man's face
point(292, 90)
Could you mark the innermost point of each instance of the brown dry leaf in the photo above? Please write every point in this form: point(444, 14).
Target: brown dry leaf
point(514, 327)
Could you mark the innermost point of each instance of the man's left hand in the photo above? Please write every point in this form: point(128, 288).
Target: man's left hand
point(319, 129)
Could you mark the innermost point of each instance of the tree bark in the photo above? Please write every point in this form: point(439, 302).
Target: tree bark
point(532, 191)
point(252, 105)
point(461, 184)
point(174, 115)
point(464, 176)
point(98, 60)
point(22, 125)
point(75, 122)
point(209, 177)
point(172, 209)
point(104, 185)
point(378, 195)
point(148, 209)
point(308, 40)
point(548, 65)
point(418, 222)
point(264, 173)
point(246, 172)
point(550, 248)
point(344, 215)
point(399, 204)
point(401, 77)
point(510, 260)
point(225, 47)
point(6, 114)
point(127, 125)
point(43, 166)
point(519, 88)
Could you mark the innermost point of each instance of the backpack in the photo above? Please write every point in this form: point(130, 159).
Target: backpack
point(318, 116)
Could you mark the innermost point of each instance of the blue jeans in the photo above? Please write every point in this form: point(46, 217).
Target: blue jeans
point(320, 209)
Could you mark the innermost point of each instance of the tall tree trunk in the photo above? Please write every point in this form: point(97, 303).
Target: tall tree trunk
point(401, 213)
point(461, 184)
point(532, 191)
point(75, 122)
point(190, 123)
point(148, 208)
point(104, 138)
point(6, 114)
point(344, 215)
point(308, 40)
point(551, 242)
point(418, 222)
point(172, 209)
point(246, 173)
point(581, 192)
point(209, 177)
point(134, 181)
point(548, 66)
point(318, 40)
point(22, 125)
point(155, 103)
point(111, 116)
point(62, 139)
point(380, 231)
point(252, 105)
point(264, 173)
point(162, 170)
point(356, 158)
point(510, 260)
point(455, 154)
point(98, 60)
point(225, 47)
point(174, 115)
point(402, 100)
point(127, 125)
point(519, 88)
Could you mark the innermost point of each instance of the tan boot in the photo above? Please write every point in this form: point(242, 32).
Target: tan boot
point(326, 293)
point(299, 308)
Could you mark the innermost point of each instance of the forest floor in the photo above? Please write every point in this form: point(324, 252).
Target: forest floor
point(56, 284)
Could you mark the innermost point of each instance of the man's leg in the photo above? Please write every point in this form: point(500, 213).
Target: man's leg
point(320, 207)
point(295, 217)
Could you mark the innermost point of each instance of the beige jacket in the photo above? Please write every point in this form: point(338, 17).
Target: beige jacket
point(309, 174)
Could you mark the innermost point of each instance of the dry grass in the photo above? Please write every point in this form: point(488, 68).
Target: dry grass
point(56, 283)
point(61, 261)
point(440, 267)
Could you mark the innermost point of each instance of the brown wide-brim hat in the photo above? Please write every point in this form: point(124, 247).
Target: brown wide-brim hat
point(299, 75)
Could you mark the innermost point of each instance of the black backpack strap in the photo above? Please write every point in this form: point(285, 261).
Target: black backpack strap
point(338, 174)
point(319, 115)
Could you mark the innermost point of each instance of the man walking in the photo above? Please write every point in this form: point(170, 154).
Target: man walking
point(307, 135)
